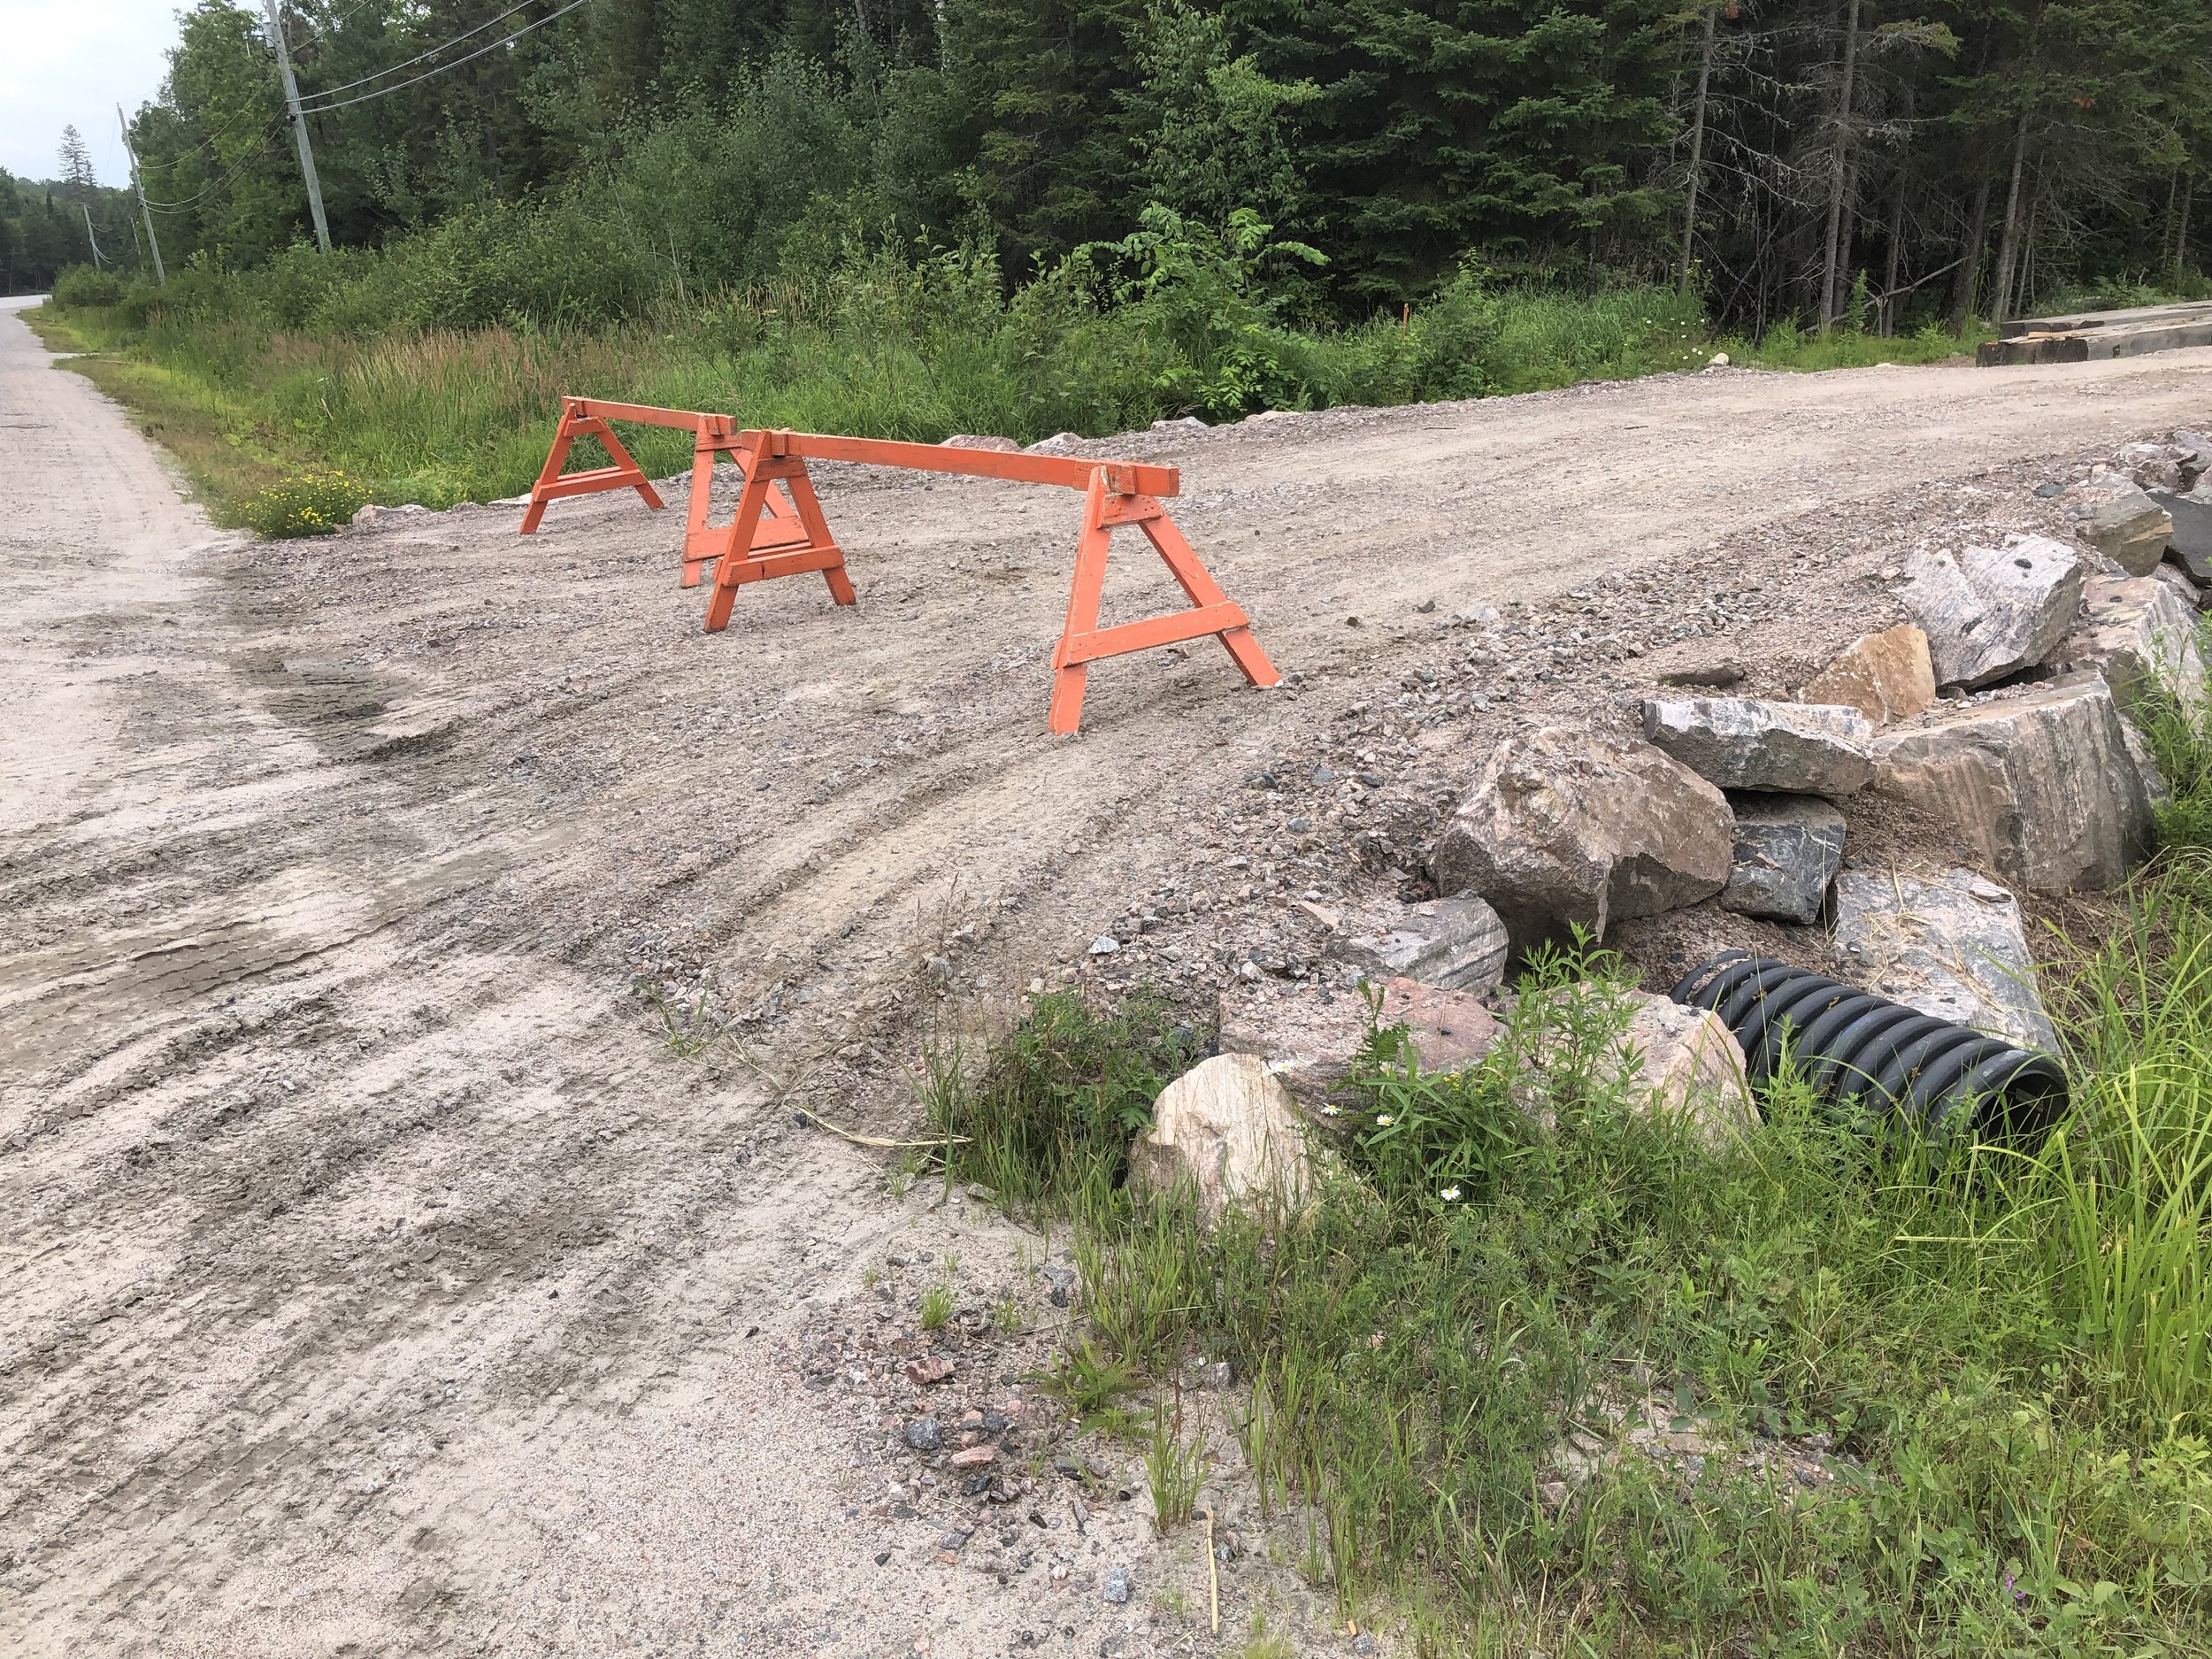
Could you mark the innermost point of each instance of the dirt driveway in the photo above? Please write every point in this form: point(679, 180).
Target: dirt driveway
point(379, 1276)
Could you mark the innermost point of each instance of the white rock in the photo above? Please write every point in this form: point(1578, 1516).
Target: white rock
point(2040, 785)
point(1992, 611)
point(1688, 1062)
point(1952, 946)
point(1671, 1059)
point(1742, 743)
point(1228, 1127)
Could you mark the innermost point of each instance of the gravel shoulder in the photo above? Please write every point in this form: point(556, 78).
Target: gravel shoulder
point(389, 1271)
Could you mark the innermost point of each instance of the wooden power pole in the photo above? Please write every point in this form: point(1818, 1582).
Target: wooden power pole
point(161, 277)
point(299, 129)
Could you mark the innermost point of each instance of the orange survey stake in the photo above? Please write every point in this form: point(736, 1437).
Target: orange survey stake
point(778, 528)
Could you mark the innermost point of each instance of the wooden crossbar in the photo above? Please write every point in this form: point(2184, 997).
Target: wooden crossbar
point(1125, 478)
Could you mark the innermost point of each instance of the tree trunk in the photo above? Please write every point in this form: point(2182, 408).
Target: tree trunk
point(1964, 285)
point(1831, 268)
point(1697, 150)
point(2181, 236)
point(2009, 243)
point(1895, 265)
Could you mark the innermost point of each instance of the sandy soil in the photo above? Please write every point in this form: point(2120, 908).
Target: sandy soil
point(379, 1277)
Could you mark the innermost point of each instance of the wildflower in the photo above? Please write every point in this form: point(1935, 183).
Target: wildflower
point(1450, 1194)
point(1383, 1120)
point(1332, 1112)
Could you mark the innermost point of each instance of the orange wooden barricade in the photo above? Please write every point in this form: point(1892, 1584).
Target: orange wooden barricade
point(579, 418)
point(779, 529)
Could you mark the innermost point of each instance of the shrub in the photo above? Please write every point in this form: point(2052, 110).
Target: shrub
point(305, 504)
point(81, 287)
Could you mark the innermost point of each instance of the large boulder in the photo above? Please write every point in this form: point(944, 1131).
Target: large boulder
point(2040, 784)
point(1787, 848)
point(1566, 827)
point(2121, 521)
point(1228, 1127)
point(1952, 945)
point(1887, 676)
point(1309, 1034)
point(1457, 944)
point(2138, 634)
point(1992, 611)
point(1741, 744)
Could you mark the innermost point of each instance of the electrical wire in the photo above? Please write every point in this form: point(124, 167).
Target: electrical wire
point(235, 168)
point(505, 39)
point(321, 36)
point(328, 92)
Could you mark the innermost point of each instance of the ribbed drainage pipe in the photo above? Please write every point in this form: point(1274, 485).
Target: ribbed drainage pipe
point(1854, 1046)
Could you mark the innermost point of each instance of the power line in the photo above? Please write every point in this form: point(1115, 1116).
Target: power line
point(321, 36)
point(505, 39)
point(235, 168)
point(328, 92)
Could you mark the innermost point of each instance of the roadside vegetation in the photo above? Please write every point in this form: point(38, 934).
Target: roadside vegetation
point(2002, 1354)
point(307, 366)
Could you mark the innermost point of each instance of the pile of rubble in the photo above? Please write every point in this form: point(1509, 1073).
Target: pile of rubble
point(2004, 711)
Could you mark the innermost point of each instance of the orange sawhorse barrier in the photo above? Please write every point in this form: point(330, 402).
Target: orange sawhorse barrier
point(587, 416)
point(778, 528)
point(581, 418)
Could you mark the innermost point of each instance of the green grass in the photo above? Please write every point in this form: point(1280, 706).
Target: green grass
point(2005, 1349)
point(255, 389)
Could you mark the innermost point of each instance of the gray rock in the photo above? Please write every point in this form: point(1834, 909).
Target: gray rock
point(2121, 522)
point(1951, 945)
point(2190, 541)
point(2040, 785)
point(1457, 944)
point(925, 1435)
point(2139, 634)
point(2186, 589)
point(1739, 743)
point(1992, 611)
point(1787, 848)
point(1104, 945)
point(1115, 1589)
point(1565, 827)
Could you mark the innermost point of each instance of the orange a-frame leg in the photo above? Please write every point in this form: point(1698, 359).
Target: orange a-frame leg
point(744, 557)
point(624, 473)
point(1083, 641)
point(704, 543)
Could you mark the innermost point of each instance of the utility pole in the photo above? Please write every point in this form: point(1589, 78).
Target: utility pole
point(299, 129)
point(161, 277)
point(98, 259)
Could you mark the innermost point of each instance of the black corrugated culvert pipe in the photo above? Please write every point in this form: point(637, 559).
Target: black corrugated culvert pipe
point(1855, 1046)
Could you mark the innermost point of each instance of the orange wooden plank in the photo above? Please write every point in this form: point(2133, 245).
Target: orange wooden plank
point(1171, 629)
point(642, 414)
point(1126, 478)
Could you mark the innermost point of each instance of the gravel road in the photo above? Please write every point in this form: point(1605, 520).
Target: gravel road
point(385, 1273)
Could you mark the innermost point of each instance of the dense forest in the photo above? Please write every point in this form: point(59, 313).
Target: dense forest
point(1860, 161)
point(49, 225)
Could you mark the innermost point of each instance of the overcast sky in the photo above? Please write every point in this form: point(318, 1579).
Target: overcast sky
point(74, 60)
